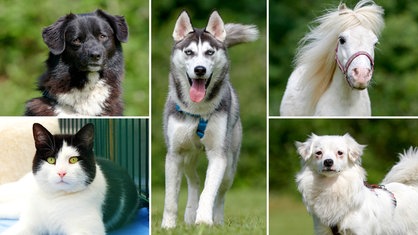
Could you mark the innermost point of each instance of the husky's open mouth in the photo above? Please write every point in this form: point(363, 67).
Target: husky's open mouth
point(198, 88)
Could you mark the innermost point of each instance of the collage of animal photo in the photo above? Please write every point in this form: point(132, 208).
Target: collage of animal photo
point(147, 117)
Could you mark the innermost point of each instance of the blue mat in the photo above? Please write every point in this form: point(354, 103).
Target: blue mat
point(139, 225)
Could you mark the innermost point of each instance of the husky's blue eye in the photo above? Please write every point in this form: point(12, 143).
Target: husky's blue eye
point(188, 52)
point(210, 52)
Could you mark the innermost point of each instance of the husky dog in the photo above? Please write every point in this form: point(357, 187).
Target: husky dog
point(202, 112)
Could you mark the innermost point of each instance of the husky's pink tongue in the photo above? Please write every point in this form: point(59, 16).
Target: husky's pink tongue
point(198, 90)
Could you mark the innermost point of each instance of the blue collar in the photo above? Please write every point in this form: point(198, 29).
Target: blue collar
point(201, 127)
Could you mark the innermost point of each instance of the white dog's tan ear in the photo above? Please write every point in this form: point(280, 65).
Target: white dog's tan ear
point(355, 150)
point(183, 27)
point(216, 26)
point(305, 149)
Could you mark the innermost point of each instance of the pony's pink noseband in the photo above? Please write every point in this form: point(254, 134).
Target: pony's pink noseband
point(344, 69)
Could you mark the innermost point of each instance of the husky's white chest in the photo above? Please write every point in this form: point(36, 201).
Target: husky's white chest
point(183, 136)
point(88, 101)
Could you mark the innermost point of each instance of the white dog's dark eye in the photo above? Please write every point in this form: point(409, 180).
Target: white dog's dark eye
point(340, 153)
point(188, 52)
point(210, 52)
point(318, 153)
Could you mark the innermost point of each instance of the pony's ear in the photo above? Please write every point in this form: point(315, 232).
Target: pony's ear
point(355, 150)
point(183, 27)
point(216, 26)
point(342, 7)
point(305, 149)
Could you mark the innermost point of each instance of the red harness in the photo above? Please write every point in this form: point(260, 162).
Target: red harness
point(372, 187)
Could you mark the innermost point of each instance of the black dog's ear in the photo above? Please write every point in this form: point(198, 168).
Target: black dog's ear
point(54, 35)
point(117, 23)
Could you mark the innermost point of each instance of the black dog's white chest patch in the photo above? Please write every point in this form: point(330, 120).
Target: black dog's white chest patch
point(89, 100)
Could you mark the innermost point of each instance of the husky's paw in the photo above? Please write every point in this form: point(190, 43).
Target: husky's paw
point(190, 216)
point(204, 219)
point(168, 223)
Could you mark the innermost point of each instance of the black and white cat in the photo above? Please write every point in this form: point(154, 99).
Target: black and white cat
point(68, 191)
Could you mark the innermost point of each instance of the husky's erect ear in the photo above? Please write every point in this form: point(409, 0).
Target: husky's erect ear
point(183, 27)
point(355, 150)
point(216, 26)
point(305, 149)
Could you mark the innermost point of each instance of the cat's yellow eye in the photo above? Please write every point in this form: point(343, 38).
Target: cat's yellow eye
point(51, 160)
point(73, 160)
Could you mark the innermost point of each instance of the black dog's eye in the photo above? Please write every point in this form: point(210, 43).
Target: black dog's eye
point(210, 52)
point(76, 42)
point(188, 52)
point(102, 37)
point(341, 40)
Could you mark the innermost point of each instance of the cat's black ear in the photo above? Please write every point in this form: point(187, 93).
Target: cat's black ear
point(42, 136)
point(85, 135)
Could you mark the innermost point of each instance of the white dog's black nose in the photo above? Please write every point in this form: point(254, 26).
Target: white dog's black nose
point(200, 70)
point(328, 162)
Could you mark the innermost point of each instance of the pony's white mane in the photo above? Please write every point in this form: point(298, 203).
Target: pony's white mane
point(316, 50)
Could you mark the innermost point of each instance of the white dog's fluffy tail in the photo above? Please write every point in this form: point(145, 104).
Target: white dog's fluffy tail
point(406, 170)
point(238, 33)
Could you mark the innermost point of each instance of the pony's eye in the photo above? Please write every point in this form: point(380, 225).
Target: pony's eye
point(73, 160)
point(51, 160)
point(341, 40)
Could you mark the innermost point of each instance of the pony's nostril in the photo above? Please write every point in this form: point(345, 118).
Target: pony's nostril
point(355, 72)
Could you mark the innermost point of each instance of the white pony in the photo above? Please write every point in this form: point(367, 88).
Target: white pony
point(334, 64)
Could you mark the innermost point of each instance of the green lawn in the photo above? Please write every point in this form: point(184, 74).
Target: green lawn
point(288, 216)
point(245, 213)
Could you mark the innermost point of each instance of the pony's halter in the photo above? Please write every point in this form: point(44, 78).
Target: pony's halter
point(344, 69)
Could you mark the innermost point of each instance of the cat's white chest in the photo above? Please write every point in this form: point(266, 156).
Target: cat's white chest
point(64, 213)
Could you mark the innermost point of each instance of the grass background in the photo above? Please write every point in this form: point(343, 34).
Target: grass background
point(245, 213)
point(288, 215)
point(23, 52)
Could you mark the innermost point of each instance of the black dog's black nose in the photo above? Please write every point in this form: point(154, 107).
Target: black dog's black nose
point(95, 55)
point(328, 162)
point(200, 70)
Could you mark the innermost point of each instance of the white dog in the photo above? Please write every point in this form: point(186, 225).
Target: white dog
point(332, 183)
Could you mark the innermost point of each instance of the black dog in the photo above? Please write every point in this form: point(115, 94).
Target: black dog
point(84, 68)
